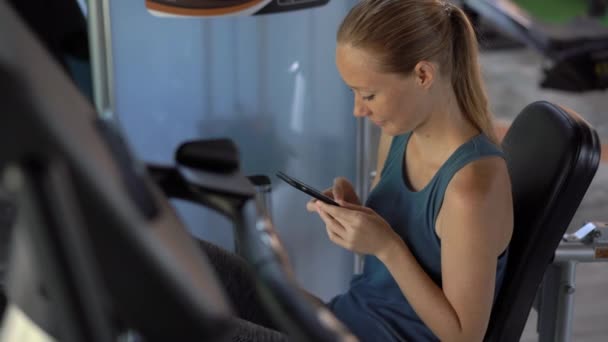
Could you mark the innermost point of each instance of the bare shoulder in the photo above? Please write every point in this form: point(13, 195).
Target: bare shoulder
point(484, 177)
point(479, 196)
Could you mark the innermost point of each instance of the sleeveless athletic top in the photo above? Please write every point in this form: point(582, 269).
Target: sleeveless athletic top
point(374, 308)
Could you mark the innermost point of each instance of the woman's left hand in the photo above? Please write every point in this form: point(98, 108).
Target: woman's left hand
point(356, 228)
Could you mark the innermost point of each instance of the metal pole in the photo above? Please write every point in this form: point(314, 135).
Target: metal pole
point(547, 297)
point(360, 178)
point(367, 138)
point(100, 46)
point(565, 304)
point(557, 290)
point(365, 161)
point(263, 188)
point(580, 252)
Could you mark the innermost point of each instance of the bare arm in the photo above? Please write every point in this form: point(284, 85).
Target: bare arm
point(475, 224)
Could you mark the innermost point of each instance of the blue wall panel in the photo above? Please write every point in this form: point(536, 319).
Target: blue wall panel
point(268, 82)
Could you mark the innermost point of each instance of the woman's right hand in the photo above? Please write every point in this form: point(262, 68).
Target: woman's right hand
point(341, 190)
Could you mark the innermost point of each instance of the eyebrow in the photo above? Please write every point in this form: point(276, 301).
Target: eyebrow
point(359, 88)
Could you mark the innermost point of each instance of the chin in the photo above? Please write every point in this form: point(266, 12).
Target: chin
point(393, 131)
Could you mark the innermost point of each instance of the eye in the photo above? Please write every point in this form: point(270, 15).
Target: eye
point(369, 97)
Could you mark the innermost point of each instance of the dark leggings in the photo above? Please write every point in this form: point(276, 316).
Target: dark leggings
point(252, 323)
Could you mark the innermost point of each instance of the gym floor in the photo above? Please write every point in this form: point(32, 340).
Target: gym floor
point(512, 78)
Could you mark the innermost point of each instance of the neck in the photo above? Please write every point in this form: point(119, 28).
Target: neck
point(445, 129)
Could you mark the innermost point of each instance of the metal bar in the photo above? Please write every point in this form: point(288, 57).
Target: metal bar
point(556, 294)
point(557, 303)
point(263, 189)
point(578, 251)
point(547, 295)
point(367, 138)
point(100, 45)
point(565, 304)
point(360, 177)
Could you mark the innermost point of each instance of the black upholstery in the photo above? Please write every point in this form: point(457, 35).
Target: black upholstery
point(102, 240)
point(96, 226)
point(215, 155)
point(59, 25)
point(552, 155)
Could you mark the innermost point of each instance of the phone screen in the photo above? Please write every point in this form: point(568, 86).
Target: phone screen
point(306, 189)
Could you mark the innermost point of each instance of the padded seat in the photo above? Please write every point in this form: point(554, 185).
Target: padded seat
point(552, 156)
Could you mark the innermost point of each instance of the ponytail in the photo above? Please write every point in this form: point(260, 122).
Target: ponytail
point(466, 75)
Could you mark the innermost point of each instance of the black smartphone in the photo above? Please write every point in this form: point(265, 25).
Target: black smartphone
point(307, 189)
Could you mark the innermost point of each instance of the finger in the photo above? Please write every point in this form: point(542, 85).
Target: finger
point(338, 190)
point(310, 205)
point(341, 214)
point(329, 192)
point(335, 238)
point(344, 183)
point(352, 206)
point(334, 233)
point(331, 223)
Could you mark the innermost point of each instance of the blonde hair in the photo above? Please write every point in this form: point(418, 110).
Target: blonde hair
point(402, 33)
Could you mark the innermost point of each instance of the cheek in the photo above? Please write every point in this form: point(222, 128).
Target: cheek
point(403, 108)
point(412, 106)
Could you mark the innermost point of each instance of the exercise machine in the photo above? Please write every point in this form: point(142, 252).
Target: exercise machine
point(576, 52)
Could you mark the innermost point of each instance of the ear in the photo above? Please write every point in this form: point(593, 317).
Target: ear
point(425, 73)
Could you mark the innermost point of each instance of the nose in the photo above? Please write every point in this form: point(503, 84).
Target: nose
point(360, 109)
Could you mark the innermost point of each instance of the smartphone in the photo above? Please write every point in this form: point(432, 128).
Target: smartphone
point(306, 189)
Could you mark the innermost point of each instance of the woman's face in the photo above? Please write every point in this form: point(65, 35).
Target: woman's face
point(394, 102)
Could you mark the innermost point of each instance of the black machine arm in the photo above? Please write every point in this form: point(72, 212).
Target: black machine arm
point(224, 189)
point(576, 52)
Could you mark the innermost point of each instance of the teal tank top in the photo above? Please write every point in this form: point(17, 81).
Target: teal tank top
point(374, 308)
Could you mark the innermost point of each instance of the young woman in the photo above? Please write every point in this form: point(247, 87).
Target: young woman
point(437, 224)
